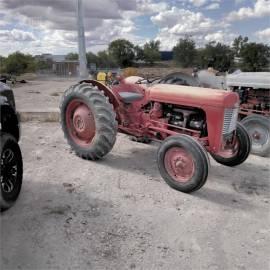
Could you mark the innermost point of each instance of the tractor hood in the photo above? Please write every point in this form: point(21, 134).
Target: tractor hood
point(192, 96)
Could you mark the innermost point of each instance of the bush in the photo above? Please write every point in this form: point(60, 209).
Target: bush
point(254, 57)
point(151, 52)
point(216, 55)
point(184, 53)
point(18, 63)
point(122, 51)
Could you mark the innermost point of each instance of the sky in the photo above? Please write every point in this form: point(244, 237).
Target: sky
point(49, 26)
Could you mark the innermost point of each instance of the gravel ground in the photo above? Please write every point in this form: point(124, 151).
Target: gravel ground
point(118, 213)
point(41, 95)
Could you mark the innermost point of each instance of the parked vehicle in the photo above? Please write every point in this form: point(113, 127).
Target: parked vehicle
point(254, 93)
point(188, 121)
point(10, 153)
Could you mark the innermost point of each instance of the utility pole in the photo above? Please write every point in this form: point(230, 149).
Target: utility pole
point(81, 42)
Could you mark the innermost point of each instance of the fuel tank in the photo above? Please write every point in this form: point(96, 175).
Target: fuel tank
point(192, 96)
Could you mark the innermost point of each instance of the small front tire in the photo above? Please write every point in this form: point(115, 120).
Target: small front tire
point(237, 153)
point(183, 163)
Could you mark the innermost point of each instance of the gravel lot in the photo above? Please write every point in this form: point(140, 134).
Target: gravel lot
point(41, 95)
point(119, 214)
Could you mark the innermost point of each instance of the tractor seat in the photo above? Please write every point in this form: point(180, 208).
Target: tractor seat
point(129, 97)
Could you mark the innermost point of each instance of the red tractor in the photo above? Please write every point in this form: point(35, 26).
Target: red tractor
point(188, 122)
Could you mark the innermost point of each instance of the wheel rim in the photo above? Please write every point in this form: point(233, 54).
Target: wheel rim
point(230, 149)
point(179, 164)
point(9, 171)
point(80, 122)
point(259, 135)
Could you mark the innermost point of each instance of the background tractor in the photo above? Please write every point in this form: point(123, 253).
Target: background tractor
point(187, 121)
point(254, 93)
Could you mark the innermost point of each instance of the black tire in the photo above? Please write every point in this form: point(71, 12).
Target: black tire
point(261, 125)
point(198, 155)
point(104, 119)
point(144, 140)
point(11, 171)
point(179, 78)
point(243, 149)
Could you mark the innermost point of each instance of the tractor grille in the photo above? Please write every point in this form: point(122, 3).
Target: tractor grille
point(230, 120)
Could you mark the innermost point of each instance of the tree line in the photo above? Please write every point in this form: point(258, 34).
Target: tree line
point(248, 56)
point(123, 53)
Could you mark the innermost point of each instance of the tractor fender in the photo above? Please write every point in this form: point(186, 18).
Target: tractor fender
point(114, 100)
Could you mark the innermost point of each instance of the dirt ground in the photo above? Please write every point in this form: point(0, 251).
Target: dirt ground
point(41, 95)
point(118, 213)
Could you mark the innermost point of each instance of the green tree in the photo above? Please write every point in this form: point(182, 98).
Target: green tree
point(18, 63)
point(105, 60)
point(42, 64)
point(2, 63)
point(138, 53)
point(72, 56)
point(184, 53)
point(216, 55)
point(122, 51)
point(238, 44)
point(254, 57)
point(151, 52)
point(92, 58)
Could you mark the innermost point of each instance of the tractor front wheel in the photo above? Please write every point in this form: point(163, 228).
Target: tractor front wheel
point(183, 163)
point(237, 151)
point(88, 121)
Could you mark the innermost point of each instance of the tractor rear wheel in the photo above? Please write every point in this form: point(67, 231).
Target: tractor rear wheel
point(258, 128)
point(237, 152)
point(183, 163)
point(88, 121)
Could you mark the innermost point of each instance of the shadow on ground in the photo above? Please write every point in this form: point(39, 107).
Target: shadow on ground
point(60, 227)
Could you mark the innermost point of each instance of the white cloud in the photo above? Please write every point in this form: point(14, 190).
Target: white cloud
point(221, 36)
point(176, 23)
point(16, 35)
point(182, 21)
point(238, 2)
point(15, 40)
point(261, 9)
point(150, 7)
point(55, 21)
point(264, 35)
point(198, 3)
point(213, 6)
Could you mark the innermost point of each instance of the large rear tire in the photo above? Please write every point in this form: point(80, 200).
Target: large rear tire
point(238, 152)
point(183, 163)
point(11, 171)
point(88, 121)
point(258, 128)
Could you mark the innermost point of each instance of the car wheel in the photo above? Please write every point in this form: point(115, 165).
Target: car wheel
point(11, 171)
